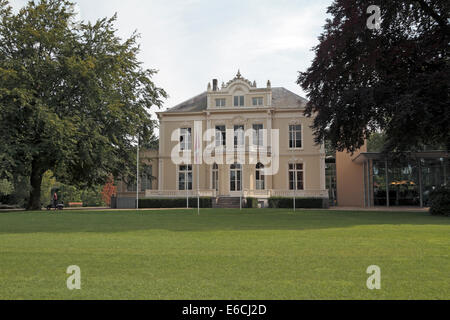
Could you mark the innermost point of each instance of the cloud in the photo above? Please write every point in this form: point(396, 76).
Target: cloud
point(191, 42)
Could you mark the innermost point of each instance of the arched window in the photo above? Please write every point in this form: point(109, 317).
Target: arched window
point(260, 179)
point(235, 177)
point(215, 177)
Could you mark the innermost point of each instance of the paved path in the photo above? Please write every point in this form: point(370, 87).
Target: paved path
point(393, 209)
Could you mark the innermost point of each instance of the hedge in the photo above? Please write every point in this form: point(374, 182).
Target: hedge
point(440, 202)
point(174, 203)
point(251, 203)
point(288, 203)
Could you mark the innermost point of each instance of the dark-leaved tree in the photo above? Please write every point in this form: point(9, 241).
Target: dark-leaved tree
point(395, 78)
point(73, 96)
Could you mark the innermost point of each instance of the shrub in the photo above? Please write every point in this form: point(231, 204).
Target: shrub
point(251, 203)
point(173, 203)
point(288, 203)
point(440, 201)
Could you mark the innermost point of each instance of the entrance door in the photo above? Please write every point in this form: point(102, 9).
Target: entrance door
point(235, 177)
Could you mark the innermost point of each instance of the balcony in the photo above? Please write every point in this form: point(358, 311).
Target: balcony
point(179, 193)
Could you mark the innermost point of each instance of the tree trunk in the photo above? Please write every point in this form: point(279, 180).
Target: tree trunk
point(34, 203)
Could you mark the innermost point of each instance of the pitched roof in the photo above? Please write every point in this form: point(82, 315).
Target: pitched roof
point(281, 98)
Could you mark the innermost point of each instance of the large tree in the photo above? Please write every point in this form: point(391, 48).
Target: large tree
point(73, 96)
point(395, 78)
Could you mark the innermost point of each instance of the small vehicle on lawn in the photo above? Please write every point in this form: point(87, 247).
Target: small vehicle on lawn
point(55, 200)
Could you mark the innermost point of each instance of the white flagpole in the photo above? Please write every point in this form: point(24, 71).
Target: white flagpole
point(197, 161)
point(198, 189)
point(186, 185)
point(295, 187)
point(137, 175)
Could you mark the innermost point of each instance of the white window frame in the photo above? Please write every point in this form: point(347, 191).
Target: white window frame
point(294, 132)
point(258, 101)
point(186, 177)
point(221, 102)
point(241, 101)
point(221, 140)
point(258, 135)
point(241, 185)
point(236, 141)
point(260, 170)
point(186, 143)
point(295, 170)
point(213, 173)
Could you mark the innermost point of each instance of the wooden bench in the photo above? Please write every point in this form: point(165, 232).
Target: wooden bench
point(75, 204)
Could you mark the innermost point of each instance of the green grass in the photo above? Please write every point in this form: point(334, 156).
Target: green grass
point(224, 254)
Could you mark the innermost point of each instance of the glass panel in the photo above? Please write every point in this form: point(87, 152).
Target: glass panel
point(238, 135)
point(300, 180)
point(241, 100)
point(291, 180)
point(181, 181)
point(190, 181)
point(404, 185)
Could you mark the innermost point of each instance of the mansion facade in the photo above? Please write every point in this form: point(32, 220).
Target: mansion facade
point(243, 118)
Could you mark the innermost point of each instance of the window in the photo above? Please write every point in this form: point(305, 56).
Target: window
point(215, 177)
point(185, 139)
point(296, 176)
point(258, 135)
point(258, 101)
point(185, 177)
point(239, 136)
point(260, 179)
point(146, 182)
point(221, 136)
point(235, 177)
point(239, 101)
point(131, 186)
point(220, 102)
point(295, 136)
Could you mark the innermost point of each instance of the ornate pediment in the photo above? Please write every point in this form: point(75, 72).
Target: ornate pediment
point(295, 121)
point(239, 79)
point(239, 120)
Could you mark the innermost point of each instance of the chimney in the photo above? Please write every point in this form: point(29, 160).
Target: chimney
point(215, 84)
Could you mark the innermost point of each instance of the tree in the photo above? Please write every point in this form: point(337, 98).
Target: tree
point(73, 96)
point(395, 79)
point(109, 189)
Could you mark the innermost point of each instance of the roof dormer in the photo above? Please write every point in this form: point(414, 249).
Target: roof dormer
point(238, 93)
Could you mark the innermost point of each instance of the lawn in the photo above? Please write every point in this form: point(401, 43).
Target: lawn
point(224, 254)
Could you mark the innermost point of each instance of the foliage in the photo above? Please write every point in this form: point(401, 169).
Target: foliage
point(282, 202)
point(72, 96)
point(440, 201)
point(174, 203)
point(6, 187)
point(395, 79)
point(251, 203)
point(109, 190)
point(376, 142)
point(48, 182)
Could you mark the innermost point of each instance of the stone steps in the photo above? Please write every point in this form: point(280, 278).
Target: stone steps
point(227, 203)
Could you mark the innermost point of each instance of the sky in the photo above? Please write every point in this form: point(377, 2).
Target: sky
point(192, 42)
